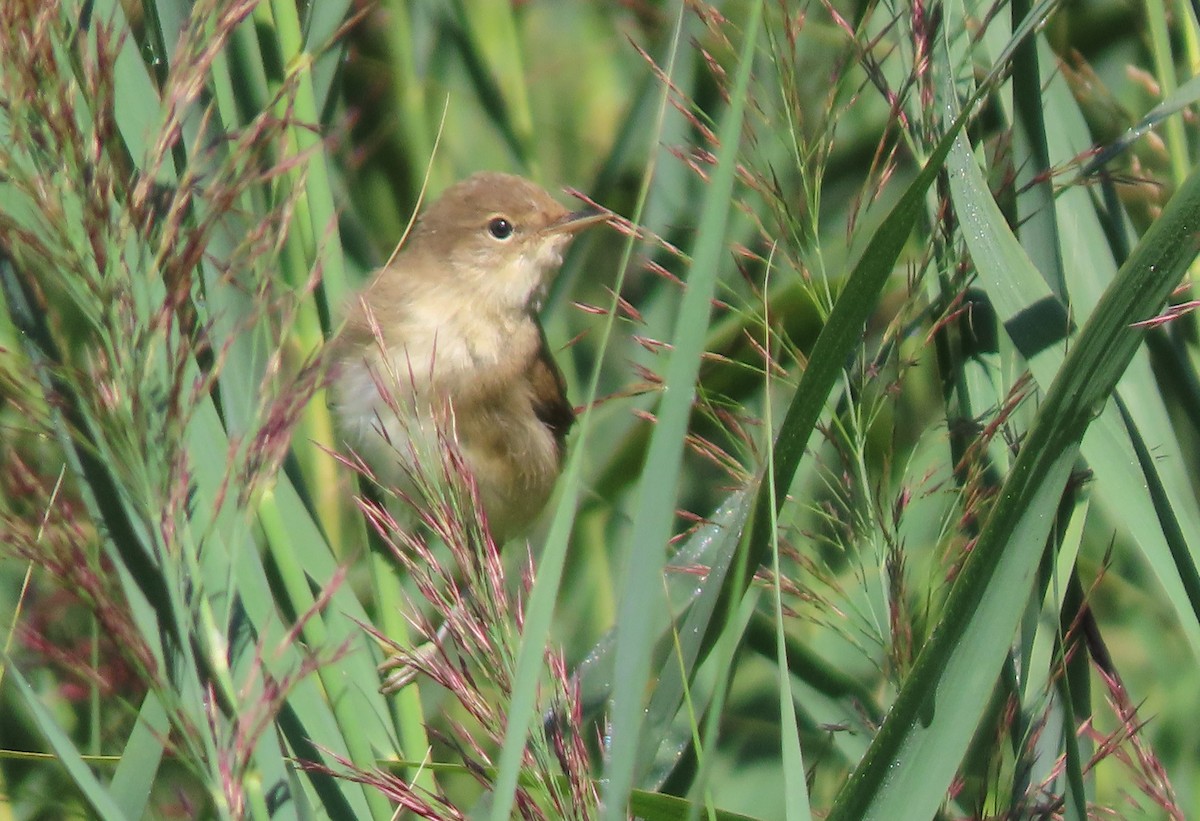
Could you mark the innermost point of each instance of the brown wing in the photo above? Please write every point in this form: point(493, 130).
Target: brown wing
point(549, 394)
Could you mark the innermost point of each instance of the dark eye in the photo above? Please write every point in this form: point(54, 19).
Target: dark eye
point(500, 228)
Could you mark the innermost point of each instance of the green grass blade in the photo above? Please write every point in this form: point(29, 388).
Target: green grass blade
point(1031, 156)
point(492, 56)
point(1172, 530)
point(796, 799)
point(540, 610)
point(659, 807)
point(97, 797)
point(141, 758)
point(683, 652)
point(1176, 139)
point(321, 25)
point(1174, 103)
point(642, 599)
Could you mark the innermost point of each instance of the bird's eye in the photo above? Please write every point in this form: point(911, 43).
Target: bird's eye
point(500, 228)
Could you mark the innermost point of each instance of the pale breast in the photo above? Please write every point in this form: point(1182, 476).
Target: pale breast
point(392, 432)
point(508, 418)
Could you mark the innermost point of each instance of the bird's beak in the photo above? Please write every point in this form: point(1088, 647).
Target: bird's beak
point(577, 221)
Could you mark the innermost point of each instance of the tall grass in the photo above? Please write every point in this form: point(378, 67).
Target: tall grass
point(881, 503)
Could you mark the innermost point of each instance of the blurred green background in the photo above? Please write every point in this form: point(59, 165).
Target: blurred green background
point(170, 507)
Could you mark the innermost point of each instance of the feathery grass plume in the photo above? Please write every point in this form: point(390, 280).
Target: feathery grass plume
point(49, 530)
point(147, 366)
point(261, 698)
point(1126, 745)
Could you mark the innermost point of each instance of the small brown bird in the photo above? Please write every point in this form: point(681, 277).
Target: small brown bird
point(462, 348)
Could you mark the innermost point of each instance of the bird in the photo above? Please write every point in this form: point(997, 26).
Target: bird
point(450, 329)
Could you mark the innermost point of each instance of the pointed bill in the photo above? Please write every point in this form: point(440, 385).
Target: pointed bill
point(577, 221)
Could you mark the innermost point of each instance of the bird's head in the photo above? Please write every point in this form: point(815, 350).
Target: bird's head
point(497, 237)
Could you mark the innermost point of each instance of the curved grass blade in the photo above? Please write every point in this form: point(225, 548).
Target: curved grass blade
point(1174, 103)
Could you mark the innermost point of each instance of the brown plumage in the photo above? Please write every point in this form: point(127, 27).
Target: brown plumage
point(456, 311)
